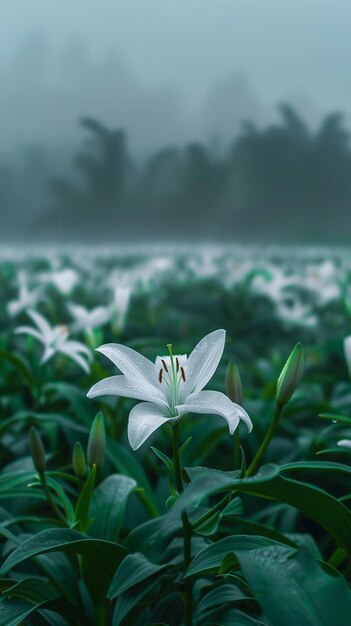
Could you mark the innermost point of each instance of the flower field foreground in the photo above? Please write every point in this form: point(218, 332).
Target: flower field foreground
point(175, 439)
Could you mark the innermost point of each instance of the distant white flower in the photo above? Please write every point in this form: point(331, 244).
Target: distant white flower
point(344, 443)
point(56, 339)
point(120, 306)
point(273, 283)
point(64, 280)
point(323, 280)
point(294, 312)
point(26, 299)
point(88, 320)
point(170, 387)
point(122, 285)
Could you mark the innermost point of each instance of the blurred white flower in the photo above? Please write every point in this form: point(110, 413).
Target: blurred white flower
point(323, 280)
point(88, 320)
point(56, 339)
point(294, 312)
point(273, 283)
point(344, 443)
point(27, 299)
point(170, 387)
point(120, 306)
point(64, 280)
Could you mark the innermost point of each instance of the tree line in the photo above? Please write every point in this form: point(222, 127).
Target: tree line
point(281, 183)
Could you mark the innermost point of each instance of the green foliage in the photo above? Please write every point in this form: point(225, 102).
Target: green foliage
point(244, 539)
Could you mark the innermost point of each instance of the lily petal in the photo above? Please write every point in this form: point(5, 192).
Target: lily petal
point(144, 419)
point(28, 330)
point(41, 323)
point(203, 362)
point(47, 354)
point(76, 346)
point(214, 402)
point(66, 349)
point(127, 388)
point(130, 362)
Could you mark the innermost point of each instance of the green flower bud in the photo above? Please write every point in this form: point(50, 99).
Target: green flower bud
point(37, 450)
point(78, 460)
point(290, 375)
point(97, 442)
point(233, 386)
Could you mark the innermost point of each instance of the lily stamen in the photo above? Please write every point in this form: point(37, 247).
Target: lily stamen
point(164, 365)
point(182, 373)
point(160, 375)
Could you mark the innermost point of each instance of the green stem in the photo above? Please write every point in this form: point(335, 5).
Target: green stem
point(237, 453)
point(50, 499)
point(176, 460)
point(187, 529)
point(265, 443)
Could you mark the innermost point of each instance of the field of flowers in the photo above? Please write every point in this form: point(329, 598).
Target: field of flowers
point(175, 438)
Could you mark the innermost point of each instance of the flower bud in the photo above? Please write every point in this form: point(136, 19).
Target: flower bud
point(97, 442)
point(37, 450)
point(233, 386)
point(290, 375)
point(78, 460)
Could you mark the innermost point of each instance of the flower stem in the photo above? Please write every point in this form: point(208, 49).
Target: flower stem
point(176, 460)
point(187, 529)
point(237, 453)
point(264, 445)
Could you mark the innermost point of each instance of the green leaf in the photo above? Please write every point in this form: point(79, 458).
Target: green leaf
point(343, 419)
point(231, 616)
point(268, 483)
point(34, 590)
point(128, 464)
point(134, 569)
point(19, 363)
point(62, 498)
point(81, 514)
point(105, 554)
point(164, 458)
point(210, 526)
point(12, 613)
point(74, 396)
point(295, 590)
point(33, 418)
point(127, 602)
point(315, 465)
point(234, 507)
point(210, 558)
point(108, 504)
point(217, 598)
point(184, 446)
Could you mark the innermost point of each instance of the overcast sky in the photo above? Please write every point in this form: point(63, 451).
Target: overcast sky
point(168, 70)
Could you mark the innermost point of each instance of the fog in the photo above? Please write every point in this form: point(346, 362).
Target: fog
point(167, 74)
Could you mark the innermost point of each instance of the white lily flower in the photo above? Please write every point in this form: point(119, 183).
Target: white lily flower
point(88, 320)
point(170, 387)
point(26, 299)
point(56, 339)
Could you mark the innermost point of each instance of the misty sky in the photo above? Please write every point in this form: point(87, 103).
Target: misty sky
point(167, 70)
